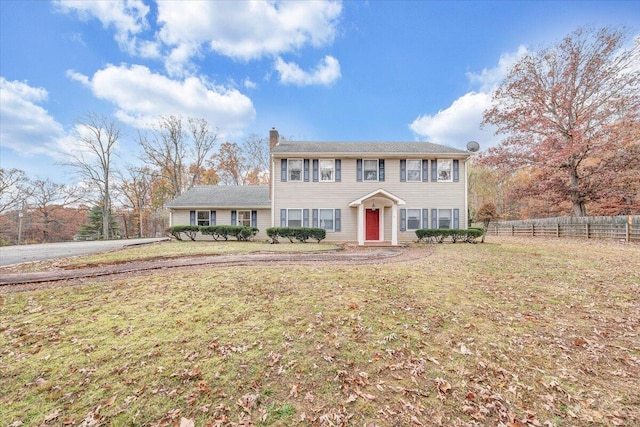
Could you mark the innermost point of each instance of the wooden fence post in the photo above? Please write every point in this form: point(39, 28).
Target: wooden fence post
point(557, 229)
point(512, 227)
point(533, 230)
point(629, 228)
point(586, 229)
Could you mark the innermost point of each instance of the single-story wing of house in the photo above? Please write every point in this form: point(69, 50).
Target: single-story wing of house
point(364, 192)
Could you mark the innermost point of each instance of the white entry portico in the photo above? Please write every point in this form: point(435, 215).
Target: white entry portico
point(371, 216)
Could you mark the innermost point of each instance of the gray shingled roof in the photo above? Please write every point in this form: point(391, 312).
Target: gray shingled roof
point(388, 148)
point(224, 196)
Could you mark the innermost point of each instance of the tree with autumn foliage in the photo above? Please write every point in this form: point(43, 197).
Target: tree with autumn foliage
point(570, 115)
point(486, 213)
point(242, 164)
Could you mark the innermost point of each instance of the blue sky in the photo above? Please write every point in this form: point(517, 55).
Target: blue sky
point(315, 70)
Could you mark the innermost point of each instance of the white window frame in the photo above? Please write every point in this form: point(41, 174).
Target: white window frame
point(419, 217)
point(445, 174)
point(289, 217)
point(333, 219)
point(440, 218)
point(203, 222)
point(240, 220)
point(418, 169)
point(291, 169)
point(364, 170)
point(333, 169)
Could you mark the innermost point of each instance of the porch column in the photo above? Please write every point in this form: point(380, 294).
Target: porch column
point(361, 224)
point(394, 224)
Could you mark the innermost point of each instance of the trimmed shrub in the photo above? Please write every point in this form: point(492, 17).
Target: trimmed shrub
point(301, 234)
point(223, 232)
point(190, 230)
point(439, 235)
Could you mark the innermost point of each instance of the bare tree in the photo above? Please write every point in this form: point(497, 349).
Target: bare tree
point(136, 189)
point(47, 197)
point(246, 164)
point(557, 108)
point(93, 160)
point(14, 189)
point(172, 150)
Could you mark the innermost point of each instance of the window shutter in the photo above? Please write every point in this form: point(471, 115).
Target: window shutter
point(456, 172)
point(254, 219)
point(456, 218)
point(192, 217)
point(403, 220)
point(434, 171)
point(425, 172)
point(403, 170)
point(381, 170)
point(305, 217)
point(305, 162)
point(234, 217)
point(314, 216)
point(283, 170)
point(315, 170)
point(359, 169)
point(336, 223)
point(425, 218)
point(283, 217)
point(434, 218)
point(338, 170)
point(212, 218)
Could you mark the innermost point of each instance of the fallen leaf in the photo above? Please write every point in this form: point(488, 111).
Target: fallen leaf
point(184, 422)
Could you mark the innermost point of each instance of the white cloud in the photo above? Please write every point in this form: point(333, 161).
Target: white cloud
point(325, 73)
point(141, 95)
point(25, 126)
point(128, 17)
point(249, 84)
point(460, 122)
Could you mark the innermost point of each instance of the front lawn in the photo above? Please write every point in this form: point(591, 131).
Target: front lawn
point(511, 332)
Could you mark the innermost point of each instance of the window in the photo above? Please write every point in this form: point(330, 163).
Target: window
point(370, 170)
point(295, 169)
point(326, 219)
point(444, 217)
point(294, 217)
point(327, 168)
point(444, 171)
point(244, 218)
point(413, 219)
point(414, 170)
point(203, 217)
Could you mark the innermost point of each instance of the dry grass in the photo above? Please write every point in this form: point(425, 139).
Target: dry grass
point(512, 332)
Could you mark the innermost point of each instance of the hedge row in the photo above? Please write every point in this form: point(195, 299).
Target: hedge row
point(301, 234)
point(436, 235)
point(218, 232)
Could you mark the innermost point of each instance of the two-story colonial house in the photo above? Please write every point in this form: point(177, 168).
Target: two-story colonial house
point(377, 192)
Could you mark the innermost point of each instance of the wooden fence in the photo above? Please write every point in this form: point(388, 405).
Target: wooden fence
point(625, 228)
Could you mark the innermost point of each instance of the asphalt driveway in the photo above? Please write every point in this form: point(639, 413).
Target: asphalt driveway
point(26, 253)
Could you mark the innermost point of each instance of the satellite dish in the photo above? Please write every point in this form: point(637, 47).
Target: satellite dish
point(473, 146)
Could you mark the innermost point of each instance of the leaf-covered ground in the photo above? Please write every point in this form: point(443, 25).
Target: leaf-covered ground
point(511, 332)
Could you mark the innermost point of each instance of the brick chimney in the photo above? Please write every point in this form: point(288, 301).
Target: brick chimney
point(274, 138)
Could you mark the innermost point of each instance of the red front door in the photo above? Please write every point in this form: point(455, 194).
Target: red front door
point(372, 224)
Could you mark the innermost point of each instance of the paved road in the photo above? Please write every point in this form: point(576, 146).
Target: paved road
point(26, 253)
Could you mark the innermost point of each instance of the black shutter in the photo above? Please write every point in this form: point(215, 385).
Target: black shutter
point(234, 217)
point(434, 218)
point(315, 170)
point(456, 218)
point(403, 170)
point(434, 171)
point(381, 170)
point(254, 219)
point(456, 172)
point(212, 218)
point(403, 220)
point(305, 217)
point(336, 223)
point(314, 216)
point(306, 170)
point(283, 217)
point(425, 218)
point(359, 169)
point(192, 217)
point(283, 170)
point(425, 172)
point(338, 170)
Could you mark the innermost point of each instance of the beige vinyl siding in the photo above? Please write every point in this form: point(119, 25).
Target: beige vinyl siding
point(316, 195)
point(223, 217)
